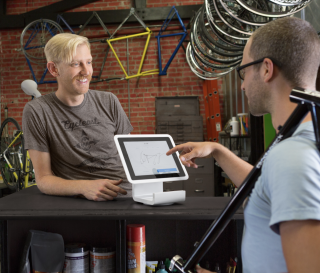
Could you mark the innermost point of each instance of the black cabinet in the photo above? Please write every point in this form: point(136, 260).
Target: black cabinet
point(180, 118)
point(170, 230)
point(200, 182)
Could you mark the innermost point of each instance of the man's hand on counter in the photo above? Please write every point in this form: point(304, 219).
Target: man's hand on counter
point(103, 189)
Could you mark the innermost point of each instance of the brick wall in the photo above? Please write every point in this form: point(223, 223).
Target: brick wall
point(180, 81)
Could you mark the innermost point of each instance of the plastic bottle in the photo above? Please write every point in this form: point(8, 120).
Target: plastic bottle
point(76, 258)
point(235, 127)
point(161, 267)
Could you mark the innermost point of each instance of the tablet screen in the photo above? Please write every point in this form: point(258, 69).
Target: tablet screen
point(146, 158)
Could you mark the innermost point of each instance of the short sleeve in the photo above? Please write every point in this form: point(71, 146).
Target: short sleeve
point(34, 130)
point(293, 181)
point(123, 125)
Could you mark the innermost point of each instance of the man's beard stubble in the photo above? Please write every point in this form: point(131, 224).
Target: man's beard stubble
point(259, 103)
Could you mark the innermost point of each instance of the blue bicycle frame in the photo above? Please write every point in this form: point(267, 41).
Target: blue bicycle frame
point(160, 35)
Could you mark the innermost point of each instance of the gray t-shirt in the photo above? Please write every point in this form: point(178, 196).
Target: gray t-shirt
point(78, 138)
point(288, 189)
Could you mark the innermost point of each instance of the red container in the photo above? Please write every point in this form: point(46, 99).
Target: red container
point(136, 248)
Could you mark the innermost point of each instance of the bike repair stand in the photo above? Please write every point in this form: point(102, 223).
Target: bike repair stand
point(308, 101)
point(152, 194)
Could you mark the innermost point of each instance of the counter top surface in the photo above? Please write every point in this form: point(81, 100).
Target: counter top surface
point(31, 203)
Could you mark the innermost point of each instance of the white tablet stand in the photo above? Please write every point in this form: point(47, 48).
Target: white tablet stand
point(152, 194)
point(150, 191)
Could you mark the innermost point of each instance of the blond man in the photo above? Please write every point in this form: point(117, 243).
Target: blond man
point(69, 133)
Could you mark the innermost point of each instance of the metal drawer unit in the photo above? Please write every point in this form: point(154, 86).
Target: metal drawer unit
point(177, 106)
point(201, 180)
point(181, 128)
point(179, 117)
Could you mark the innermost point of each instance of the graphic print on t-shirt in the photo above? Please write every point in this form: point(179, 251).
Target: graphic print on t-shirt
point(74, 125)
point(86, 142)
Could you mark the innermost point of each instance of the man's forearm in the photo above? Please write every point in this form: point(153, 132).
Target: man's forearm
point(236, 168)
point(54, 185)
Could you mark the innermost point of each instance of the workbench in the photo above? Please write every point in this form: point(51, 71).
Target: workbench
point(170, 230)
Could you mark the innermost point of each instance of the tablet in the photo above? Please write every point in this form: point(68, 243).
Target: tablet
point(144, 158)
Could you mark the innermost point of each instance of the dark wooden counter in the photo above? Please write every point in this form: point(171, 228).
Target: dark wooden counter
point(31, 203)
point(170, 230)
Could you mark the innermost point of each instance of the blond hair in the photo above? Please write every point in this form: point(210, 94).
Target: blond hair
point(294, 44)
point(62, 47)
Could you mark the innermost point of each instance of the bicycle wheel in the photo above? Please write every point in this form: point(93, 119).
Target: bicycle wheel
point(12, 153)
point(35, 36)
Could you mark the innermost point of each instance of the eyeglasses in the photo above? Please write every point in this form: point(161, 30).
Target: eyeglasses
point(241, 72)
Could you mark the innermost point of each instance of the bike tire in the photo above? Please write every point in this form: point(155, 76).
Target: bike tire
point(9, 129)
point(35, 36)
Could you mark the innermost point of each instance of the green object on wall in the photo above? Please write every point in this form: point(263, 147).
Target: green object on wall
point(269, 131)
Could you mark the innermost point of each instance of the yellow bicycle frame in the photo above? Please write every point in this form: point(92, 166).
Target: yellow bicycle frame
point(10, 166)
point(27, 169)
point(139, 74)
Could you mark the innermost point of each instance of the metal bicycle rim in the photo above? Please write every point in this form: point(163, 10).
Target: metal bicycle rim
point(223, 4)
point(219, 43)
point(195, 38)
point(216, 49)
point(206, 75)
point(273, 14)
point(214, 27)
point(210, 64)
point(225, 70)
point(227, 23)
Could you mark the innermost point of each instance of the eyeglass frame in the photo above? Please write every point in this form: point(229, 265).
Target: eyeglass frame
point(239, 68)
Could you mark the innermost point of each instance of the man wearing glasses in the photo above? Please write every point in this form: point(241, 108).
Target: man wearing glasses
point(282, 214)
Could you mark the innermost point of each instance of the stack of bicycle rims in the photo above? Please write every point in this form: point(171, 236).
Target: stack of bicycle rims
point(221, 29)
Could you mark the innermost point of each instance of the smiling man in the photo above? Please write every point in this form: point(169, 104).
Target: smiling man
point(282, 214)
point(69, 133)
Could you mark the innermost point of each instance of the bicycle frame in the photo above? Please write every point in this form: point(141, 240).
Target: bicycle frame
point(160, 35)
point(309, 101)
point(148, 33)
point(26, 170)
point(16, 176)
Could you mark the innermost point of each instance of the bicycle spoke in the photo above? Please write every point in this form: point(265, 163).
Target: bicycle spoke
point(34, 38)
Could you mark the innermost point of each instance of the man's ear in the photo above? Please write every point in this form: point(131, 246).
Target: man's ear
point(267, 70)
point(53, 69)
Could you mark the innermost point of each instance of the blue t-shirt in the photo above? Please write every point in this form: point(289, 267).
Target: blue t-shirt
point(288, 189)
